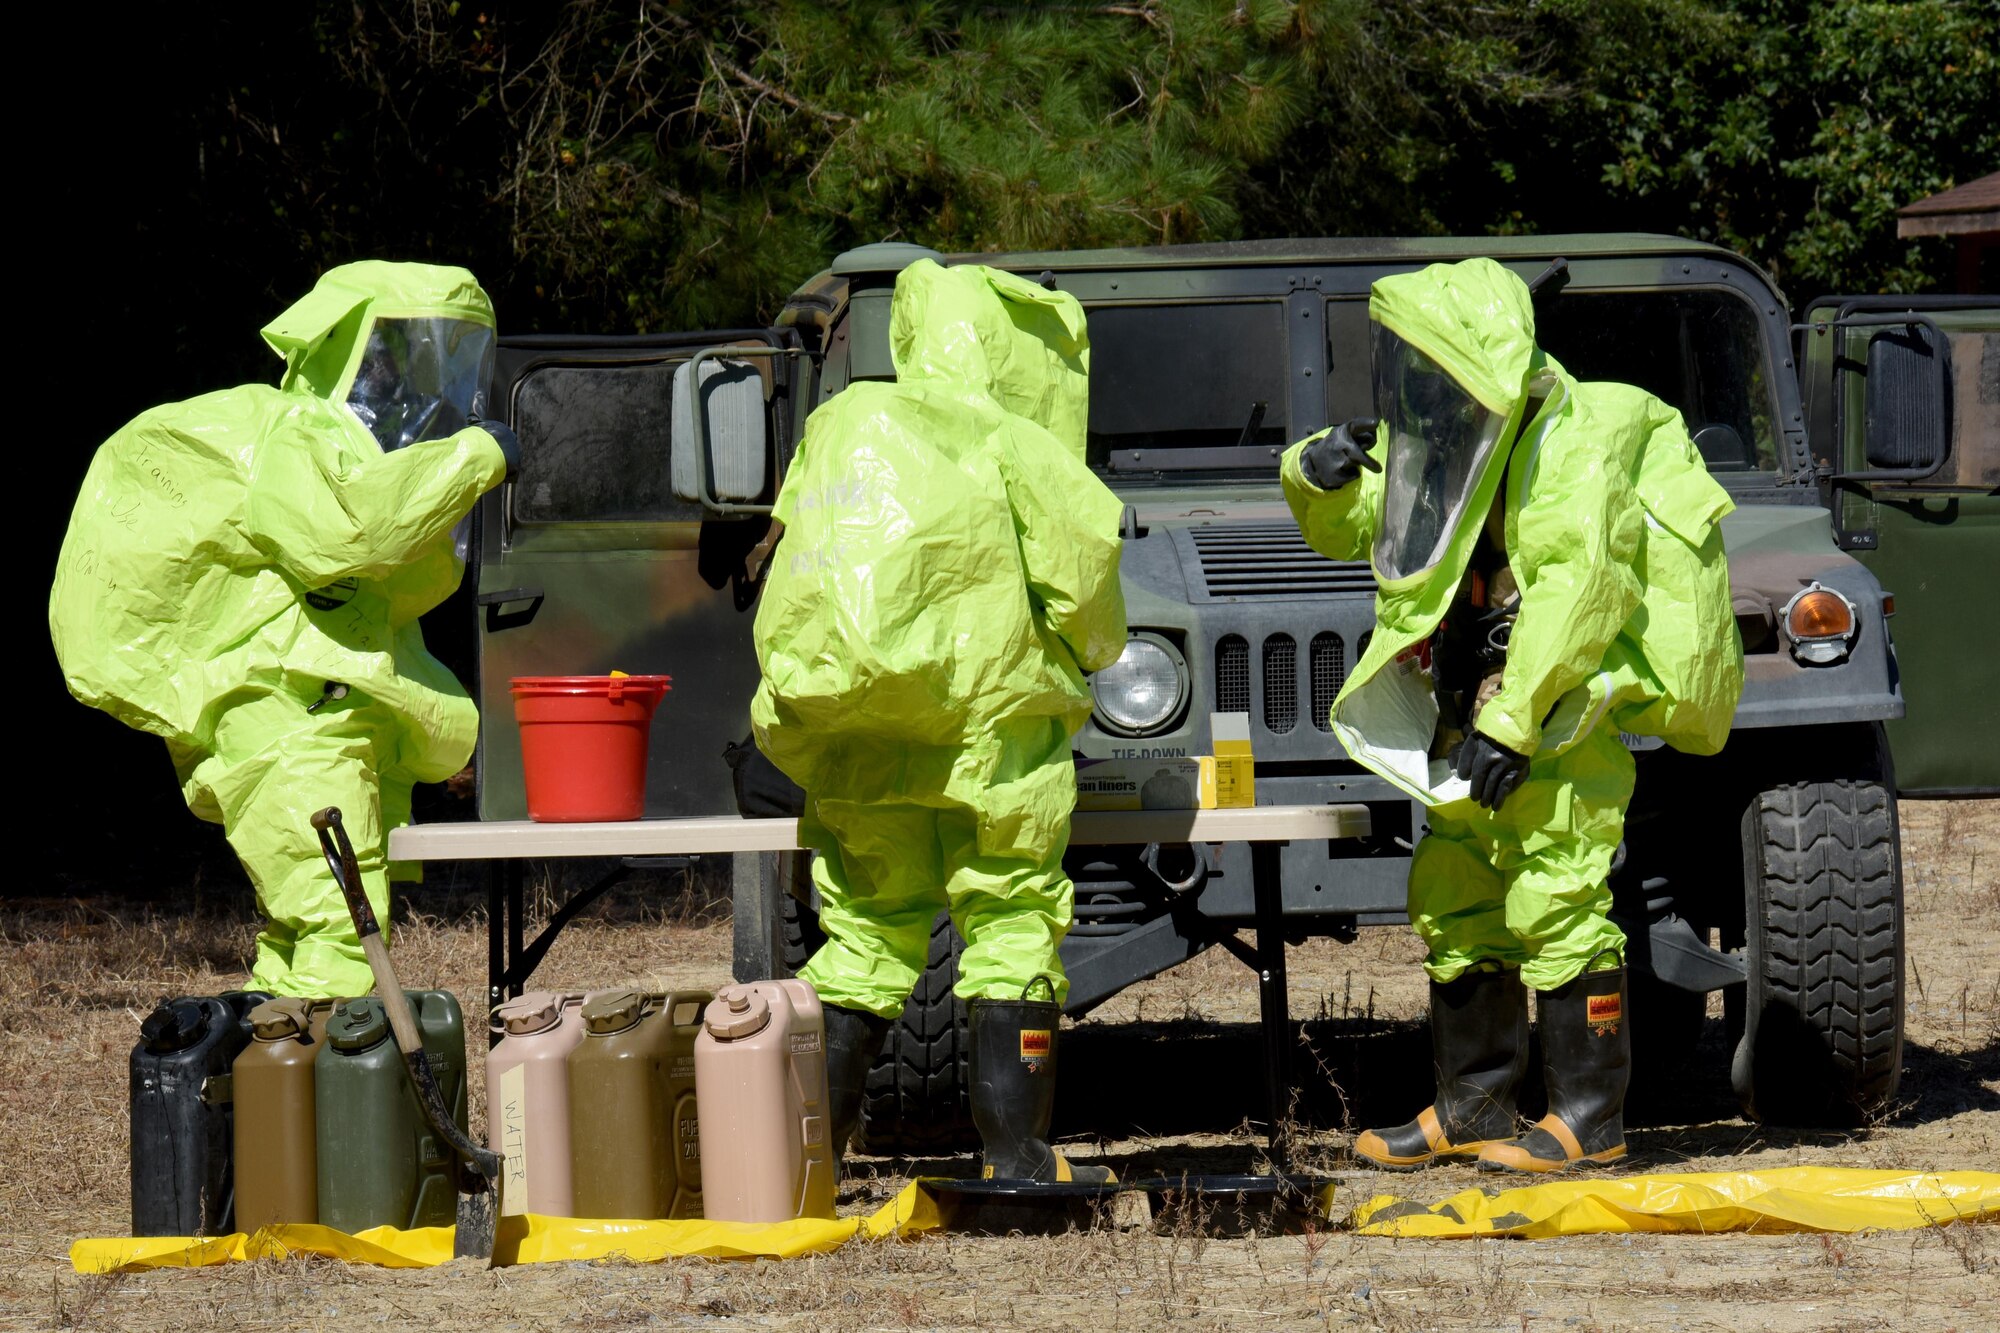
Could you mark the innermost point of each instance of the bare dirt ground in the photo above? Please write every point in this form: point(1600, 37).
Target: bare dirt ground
point(1163, 1078)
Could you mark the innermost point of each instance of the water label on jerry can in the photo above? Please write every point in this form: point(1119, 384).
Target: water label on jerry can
point(804, 1043)
point(513, 1113)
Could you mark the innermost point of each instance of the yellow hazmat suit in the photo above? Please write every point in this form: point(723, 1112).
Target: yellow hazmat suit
point(242, 577)
point(1563, 540)
point(949, 571)
point(1611, 527)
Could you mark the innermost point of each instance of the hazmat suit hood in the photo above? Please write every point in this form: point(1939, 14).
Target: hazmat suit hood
point(1454, 351)
point(1024, 345)
point(408, 348)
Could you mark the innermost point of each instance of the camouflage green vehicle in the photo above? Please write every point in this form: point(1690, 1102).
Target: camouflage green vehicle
point(635, 537)
point(1902, 403)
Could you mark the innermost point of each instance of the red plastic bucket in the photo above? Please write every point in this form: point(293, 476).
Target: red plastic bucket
point(583, 744)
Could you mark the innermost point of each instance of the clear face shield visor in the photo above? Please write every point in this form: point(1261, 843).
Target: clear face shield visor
point(1440, 439)
point(422, 378)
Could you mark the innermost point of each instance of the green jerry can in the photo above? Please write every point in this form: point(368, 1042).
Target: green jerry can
point(379, 1162)
point(635, 1150)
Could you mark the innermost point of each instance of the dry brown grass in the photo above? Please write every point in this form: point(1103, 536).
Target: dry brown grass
point(1170, 1056)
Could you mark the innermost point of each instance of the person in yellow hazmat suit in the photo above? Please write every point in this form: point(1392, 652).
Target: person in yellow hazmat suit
point(1550, 569)
point(948, 573)
point(242, 577)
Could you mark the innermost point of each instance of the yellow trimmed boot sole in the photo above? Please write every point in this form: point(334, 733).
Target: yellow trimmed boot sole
point(1373, 1148)
point(1514, 1156)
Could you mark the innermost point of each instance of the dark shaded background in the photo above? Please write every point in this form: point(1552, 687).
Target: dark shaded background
point(163, 251)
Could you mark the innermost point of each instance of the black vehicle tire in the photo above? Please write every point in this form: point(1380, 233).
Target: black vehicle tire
point(799, 935)
point(914, 1103)
point(762, 947)
point(1822, 1039)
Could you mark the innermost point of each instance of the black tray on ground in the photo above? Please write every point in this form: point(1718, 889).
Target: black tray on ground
point(1236, 1205)
point(998, 1207)
point(1210, 1205)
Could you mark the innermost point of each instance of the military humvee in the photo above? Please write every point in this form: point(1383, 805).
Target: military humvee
point(634, 538)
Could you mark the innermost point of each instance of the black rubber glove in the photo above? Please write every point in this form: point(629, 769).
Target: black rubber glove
point(504, 436)
point(762, 789)
point(1337, 457)
point(1492, 769)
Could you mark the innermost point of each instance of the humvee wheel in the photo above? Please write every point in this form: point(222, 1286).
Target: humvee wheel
point(1822, 1036)
point(914, 1103)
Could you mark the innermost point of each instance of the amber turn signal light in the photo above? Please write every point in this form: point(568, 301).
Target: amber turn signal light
point(1820, 614)
point(1821, 624)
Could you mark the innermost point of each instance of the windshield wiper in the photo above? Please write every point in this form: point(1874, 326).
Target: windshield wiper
point(1244, 440)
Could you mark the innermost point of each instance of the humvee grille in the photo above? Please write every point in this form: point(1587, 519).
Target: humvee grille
point(1272, 560)
point(1329, 670)
point(1232, 674)
point(1281, 683)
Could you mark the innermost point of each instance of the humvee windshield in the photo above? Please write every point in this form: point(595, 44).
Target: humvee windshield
point(1198, 389)
point(1700, 350)
point(1189, 386)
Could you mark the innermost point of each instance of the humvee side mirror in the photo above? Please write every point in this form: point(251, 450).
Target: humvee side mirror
point(719, 432)
point(1905, 396)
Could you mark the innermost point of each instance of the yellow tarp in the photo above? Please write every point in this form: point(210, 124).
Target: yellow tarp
point(528, 1240)
point(1794, 1198)
point(385, 1246)
point(1802, 1198)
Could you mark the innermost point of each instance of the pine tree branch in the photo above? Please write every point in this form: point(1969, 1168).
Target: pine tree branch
point(1148, 13)
point(744, 76)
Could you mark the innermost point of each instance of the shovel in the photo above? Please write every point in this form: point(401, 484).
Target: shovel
point(480, 1176)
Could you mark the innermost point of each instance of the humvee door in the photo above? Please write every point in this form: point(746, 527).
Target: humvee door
point(630, 540)
point(1902, 399)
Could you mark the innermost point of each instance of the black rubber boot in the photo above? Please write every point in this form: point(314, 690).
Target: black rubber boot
point(1587, 1062)
point(1479, 1052)
point(1014, 1092)
point(853, 1039)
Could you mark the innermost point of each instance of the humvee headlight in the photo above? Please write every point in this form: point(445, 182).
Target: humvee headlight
point(1820, 624)
point(1144, 690)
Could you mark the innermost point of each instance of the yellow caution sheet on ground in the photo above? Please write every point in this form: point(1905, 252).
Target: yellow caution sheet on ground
point(1805, 1198)
point(1793, 1198)
point(530, 1239)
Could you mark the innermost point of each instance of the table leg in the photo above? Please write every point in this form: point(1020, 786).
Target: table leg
point(517, 921)
point(496, 932)
point(1275, 1010)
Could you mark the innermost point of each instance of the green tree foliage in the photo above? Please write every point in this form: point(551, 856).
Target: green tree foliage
point(1792, 130)
point(662, 164)
point(684, 164)
point(1789, 130)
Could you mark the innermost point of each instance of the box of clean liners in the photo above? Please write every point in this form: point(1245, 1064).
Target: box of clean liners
point(1146, 784)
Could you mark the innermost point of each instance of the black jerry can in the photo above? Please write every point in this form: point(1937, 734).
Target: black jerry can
point(182, 1182)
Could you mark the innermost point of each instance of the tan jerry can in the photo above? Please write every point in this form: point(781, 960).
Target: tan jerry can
point(633, 1146)
point(760, 1068)
point(277, 1154)
point(527, 1098)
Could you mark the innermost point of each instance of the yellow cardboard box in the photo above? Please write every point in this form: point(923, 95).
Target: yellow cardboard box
point(1235, 766)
